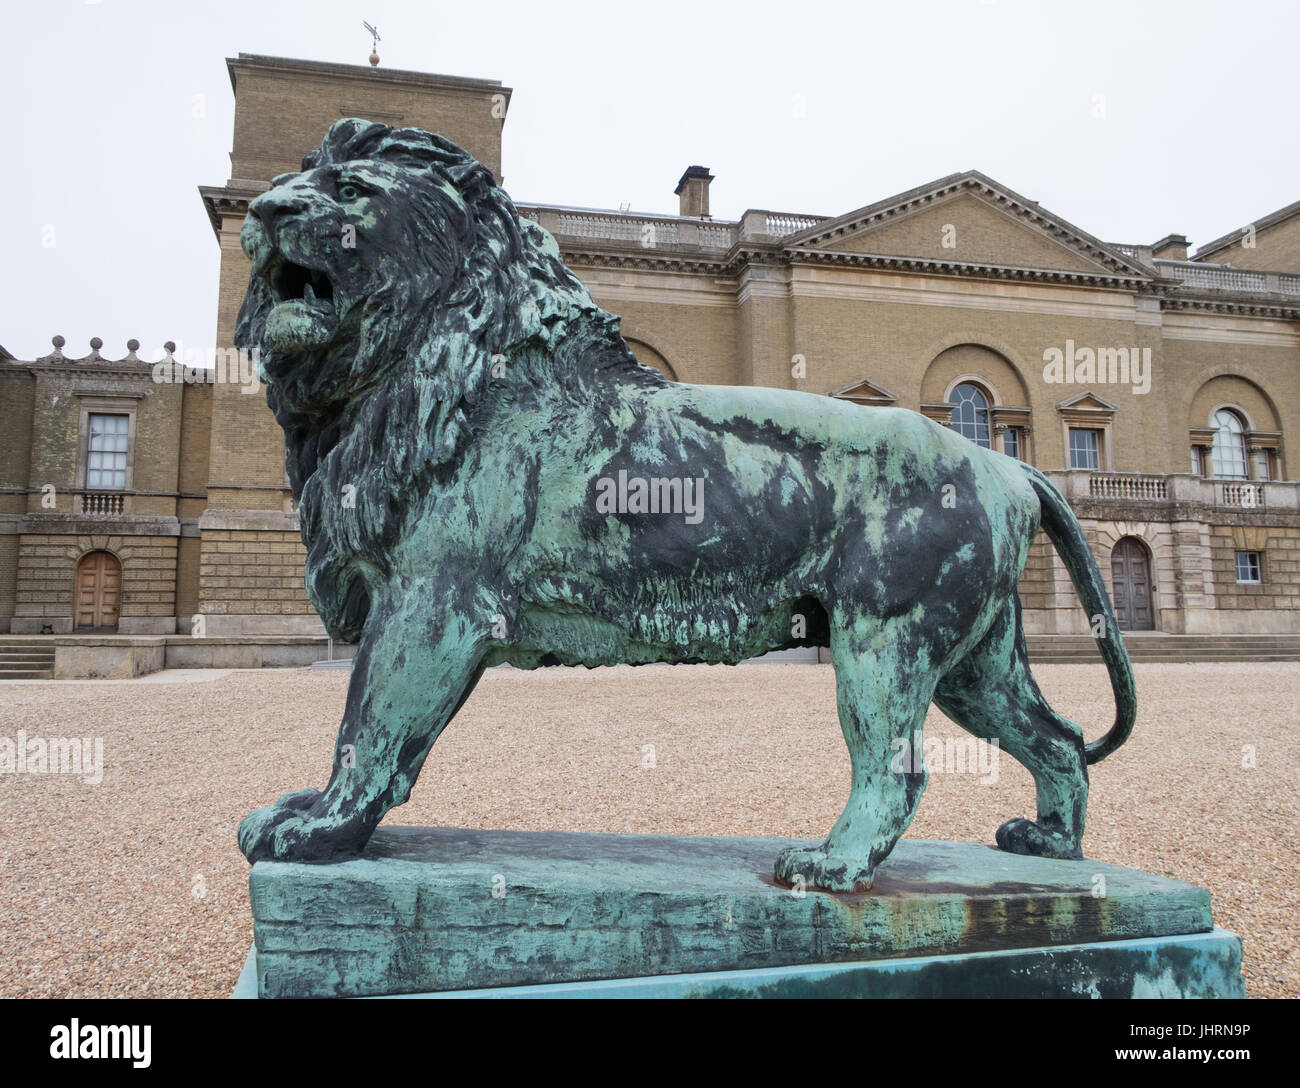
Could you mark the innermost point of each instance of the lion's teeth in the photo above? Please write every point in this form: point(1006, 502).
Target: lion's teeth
point(308, 293)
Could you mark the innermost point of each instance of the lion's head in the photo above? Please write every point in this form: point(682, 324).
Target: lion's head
point(392, 283)
point(392, 258)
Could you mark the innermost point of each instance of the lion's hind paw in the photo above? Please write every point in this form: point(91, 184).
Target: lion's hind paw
point(815, 867)
point(1020, 836)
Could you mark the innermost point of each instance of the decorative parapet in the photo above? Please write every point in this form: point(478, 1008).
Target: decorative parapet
point(1274, 496)
point(1139, 253)
point(1210, 277)
point(650, 231)
point(627, 228)
point(781, 224)
point(129, 364)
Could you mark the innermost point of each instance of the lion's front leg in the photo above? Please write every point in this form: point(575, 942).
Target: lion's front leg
point(416, 664)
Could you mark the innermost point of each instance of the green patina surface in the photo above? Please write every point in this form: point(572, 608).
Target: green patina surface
point(454, 406)
point(1205, 965)
point(430, 909)
point(485, 475)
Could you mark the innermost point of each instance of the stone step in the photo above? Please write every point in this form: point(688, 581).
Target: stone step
point(1081, 649)
point(1207, 655)
point(1137, 648)
point(26, 674)
point(1187, 640)
point(1168, 659)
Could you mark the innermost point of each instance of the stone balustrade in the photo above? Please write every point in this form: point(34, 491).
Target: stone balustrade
point(650, 231)
point(1276, 496)
point(1212, 277)
point(101, 504)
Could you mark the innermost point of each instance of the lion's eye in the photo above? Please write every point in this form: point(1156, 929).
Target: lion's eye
point(348, 192)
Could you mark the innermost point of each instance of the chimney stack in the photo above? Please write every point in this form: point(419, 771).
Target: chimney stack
point(1172, 247)
point(693, 189)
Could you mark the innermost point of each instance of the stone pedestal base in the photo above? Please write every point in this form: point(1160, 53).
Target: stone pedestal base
point(447, 912)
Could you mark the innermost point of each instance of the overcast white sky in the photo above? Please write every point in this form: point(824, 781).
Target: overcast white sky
point(1130, 119)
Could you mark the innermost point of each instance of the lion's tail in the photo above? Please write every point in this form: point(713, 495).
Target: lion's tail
point(1066, 535)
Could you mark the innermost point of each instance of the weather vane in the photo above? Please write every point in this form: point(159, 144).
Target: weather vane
point(374, 52)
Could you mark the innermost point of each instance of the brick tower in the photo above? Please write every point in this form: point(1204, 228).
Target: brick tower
point(251, 568)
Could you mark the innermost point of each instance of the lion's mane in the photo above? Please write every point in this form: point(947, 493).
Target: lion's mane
point(506, 302)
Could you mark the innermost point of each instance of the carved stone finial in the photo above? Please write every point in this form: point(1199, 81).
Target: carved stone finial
point(170, 347)
point(133, 345)
point(58, 343)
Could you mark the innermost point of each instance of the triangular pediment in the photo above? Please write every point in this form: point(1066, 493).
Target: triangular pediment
point(1270, 242)
point(1087, 402)
point(865, 392)
point(967, 219)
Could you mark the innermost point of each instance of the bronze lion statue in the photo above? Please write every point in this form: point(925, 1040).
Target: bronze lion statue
point(486, 475)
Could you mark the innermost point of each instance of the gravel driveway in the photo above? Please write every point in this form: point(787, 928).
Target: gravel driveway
point(134, 886)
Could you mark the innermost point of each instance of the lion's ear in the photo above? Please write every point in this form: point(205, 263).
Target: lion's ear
point(472, 179)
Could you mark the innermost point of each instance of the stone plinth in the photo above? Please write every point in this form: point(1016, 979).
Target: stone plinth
point(430, 910)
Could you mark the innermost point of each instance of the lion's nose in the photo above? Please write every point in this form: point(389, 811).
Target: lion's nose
point(275, 204)
point(255, 242)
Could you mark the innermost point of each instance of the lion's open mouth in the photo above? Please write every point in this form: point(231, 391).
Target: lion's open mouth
point(291, 281)
point(303, 313)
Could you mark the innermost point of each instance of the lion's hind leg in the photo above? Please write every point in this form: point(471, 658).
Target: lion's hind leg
point(883, 695)
point(993, 694)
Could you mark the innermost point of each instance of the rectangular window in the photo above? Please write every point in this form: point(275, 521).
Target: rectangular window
point(1011, 442)
point(106, 453)
point(1248, 568)
point(1085, 448)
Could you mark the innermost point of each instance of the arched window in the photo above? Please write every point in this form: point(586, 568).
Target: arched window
point(1228, 455)
point(970, 414)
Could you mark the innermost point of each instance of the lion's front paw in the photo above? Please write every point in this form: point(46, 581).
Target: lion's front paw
point(815, 867)
point(1022, 836)
point(274, 833)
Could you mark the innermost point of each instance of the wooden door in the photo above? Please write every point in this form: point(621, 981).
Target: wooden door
point(1130, 573)
point(99, 592)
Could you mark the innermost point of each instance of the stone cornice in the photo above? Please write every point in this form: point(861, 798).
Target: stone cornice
point(361, 73)
point(54, 524)
point(929, 266)
point(220, 200)
point(1240, 305)
point(106, 370)
point(1166, 291)
point(650, 260)
point(1168, 512)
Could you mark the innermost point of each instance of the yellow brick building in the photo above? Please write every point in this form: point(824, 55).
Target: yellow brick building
point(1158, 389)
